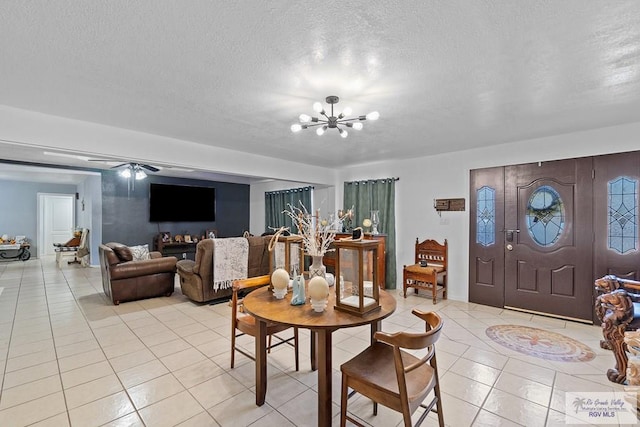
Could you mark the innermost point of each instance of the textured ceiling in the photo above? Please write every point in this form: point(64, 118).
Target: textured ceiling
point(444, 75)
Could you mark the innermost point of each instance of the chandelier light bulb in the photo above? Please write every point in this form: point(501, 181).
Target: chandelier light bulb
point(140, 175)
point(125, 173)
point(329, 118)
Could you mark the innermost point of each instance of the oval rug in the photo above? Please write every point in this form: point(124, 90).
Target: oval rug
point(540, 343)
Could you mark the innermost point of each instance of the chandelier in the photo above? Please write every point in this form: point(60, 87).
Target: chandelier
point(332, 121)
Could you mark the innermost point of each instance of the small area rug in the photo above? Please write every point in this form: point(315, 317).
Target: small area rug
point(540, 343)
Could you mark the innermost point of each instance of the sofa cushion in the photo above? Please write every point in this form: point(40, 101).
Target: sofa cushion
point(123, 253)
point(140, 252)
point(148, 267)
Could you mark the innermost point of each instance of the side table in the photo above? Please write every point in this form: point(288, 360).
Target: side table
point(22, 253)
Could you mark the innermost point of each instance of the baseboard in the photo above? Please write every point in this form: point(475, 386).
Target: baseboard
point(219, 300)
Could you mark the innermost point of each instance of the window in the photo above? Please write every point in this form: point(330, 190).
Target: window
point(622, 214)
point(486, 216)
point(545, 216)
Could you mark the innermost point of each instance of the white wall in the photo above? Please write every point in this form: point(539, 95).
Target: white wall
point(44, 131)
point(89, 213)
point(443, 176)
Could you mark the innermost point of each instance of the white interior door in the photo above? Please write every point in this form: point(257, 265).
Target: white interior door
point(56, 219)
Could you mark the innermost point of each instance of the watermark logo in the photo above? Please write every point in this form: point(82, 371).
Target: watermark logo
point(601, 407)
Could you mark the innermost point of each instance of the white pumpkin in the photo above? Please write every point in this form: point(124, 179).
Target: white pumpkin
point(318, 288)
point(280, 279)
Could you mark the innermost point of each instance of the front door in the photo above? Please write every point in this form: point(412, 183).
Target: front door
point(486, 247)
point(548, 238)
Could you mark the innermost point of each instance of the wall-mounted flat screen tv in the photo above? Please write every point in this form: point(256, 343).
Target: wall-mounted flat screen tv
point(181, 203)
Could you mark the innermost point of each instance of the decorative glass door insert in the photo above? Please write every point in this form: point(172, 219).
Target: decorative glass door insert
point(545, 216)
point(622, 214)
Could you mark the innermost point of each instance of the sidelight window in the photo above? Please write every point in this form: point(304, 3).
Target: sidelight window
point(486, 216)
point(623, 214)
point(545, 216)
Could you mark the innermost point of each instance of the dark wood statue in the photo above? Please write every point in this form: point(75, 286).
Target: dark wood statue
point(608, 283)
point(615, 309)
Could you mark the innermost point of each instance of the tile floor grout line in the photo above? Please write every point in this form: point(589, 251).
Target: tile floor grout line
point(13, 322)
point(106, 359)
point(53, 339)
point(84, 285)
point(44, 284)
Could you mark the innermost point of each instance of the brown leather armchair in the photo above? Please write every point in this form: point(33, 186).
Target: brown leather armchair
point(196, 277)
point(618, 309)
point(124, 279)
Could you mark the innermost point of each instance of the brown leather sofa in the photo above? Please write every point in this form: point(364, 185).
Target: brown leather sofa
point(126, 280)
point(196, 277)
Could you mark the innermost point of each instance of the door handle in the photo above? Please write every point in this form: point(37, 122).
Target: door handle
point(508, 234)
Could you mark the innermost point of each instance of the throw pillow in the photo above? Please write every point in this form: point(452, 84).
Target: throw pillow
point(140, 252)
point(123, 253)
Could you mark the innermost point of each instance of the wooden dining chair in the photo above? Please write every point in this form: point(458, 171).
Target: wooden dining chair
point(243, 323)
point(394, 378)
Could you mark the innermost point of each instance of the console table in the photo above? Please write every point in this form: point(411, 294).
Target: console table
point(178, 249)
point(22, 253)
point(329, 259)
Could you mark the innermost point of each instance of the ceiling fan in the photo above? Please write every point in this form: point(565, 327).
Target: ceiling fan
point(130, 166)
point(135, 169)
point(132, 171)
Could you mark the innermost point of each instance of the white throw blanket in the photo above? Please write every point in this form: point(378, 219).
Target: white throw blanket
point(230, 261)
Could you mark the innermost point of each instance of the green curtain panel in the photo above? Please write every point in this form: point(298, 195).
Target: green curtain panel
point(376, 194)
point(275, 202)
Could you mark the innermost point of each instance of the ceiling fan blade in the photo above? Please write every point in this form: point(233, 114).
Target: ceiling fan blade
point(150, 168)
point(119, 166)
point(127, 164)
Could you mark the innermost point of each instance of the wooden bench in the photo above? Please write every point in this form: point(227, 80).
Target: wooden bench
point(429, 271)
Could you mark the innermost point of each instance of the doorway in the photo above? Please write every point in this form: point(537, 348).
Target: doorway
point(56, 219)
point(541, 233)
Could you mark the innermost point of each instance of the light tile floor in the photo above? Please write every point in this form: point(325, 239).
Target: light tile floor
point(69, 357)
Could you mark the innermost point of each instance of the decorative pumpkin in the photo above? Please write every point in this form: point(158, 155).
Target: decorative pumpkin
point(318, 288)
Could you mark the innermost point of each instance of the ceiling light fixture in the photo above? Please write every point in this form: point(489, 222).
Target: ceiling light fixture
point(332, 121)
point(125, 173)
point(133, 170)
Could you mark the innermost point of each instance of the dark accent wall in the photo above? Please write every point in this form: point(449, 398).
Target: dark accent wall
point(125, 217)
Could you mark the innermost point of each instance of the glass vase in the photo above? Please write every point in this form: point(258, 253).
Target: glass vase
point(375, 220)
point(317, 268)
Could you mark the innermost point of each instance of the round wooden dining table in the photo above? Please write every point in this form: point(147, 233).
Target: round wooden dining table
point(266, 308)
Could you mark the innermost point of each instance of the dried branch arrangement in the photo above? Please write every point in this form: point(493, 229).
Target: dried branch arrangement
point(316, 234)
